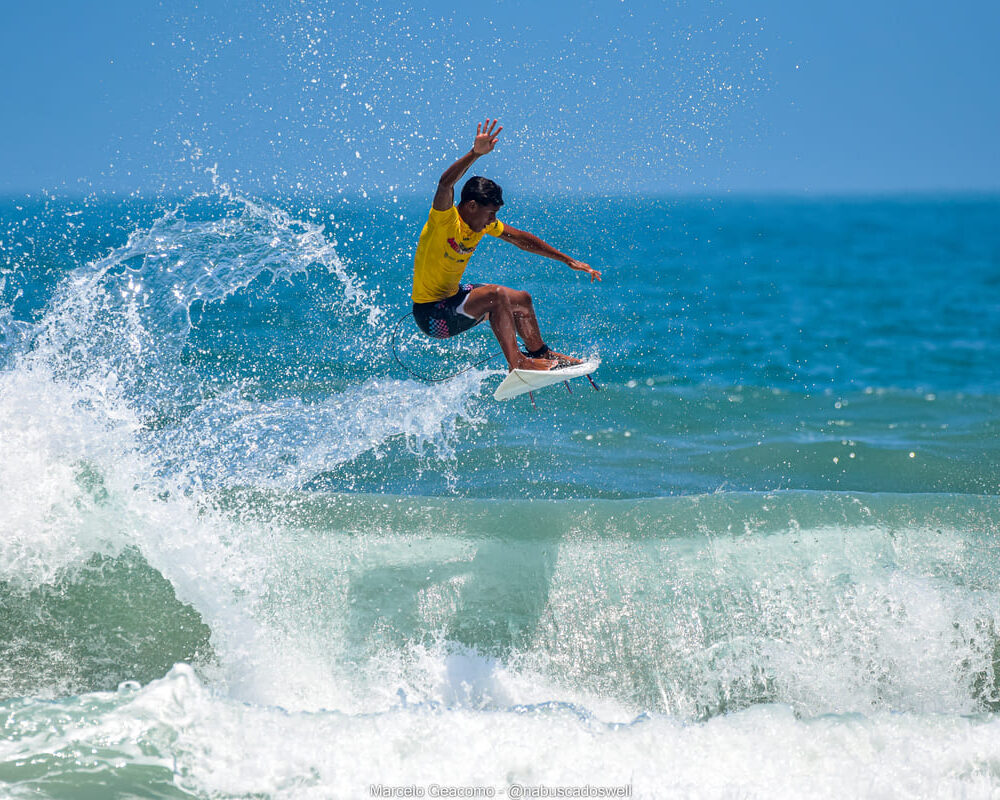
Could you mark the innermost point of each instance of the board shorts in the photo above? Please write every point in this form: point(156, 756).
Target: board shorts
point(444, 318)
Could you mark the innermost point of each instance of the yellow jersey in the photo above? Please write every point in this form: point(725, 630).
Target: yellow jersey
point(445, 247)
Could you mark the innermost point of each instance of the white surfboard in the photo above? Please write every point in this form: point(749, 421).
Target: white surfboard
point(520, 381)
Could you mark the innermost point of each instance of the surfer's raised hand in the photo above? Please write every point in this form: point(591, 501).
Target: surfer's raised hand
point(487, 134)
point(580, 266)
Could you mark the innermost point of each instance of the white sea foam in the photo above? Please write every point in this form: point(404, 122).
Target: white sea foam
point(215, 746)
point(55, 444)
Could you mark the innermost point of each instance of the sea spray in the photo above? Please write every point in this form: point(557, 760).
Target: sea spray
point(111, 434)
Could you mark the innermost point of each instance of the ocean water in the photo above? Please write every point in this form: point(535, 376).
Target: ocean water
point(244, 553)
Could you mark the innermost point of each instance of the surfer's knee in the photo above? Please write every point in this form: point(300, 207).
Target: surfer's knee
point(519, 297)
point(501, 296)
point(498, 297)
point(489, 296)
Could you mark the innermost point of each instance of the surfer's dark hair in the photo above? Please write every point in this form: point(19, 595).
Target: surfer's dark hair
point(483, 191)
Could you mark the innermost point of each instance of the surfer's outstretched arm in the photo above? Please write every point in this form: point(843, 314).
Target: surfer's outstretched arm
point(531, 243)
point(487, 134)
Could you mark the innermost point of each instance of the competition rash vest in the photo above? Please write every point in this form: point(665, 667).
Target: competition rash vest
point(445, 247)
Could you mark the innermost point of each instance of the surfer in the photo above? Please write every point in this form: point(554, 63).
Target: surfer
point(442, 305)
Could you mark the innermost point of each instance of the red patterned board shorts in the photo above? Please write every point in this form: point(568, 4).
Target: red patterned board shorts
point(444, 318)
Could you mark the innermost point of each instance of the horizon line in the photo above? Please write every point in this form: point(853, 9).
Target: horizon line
point(532, 194)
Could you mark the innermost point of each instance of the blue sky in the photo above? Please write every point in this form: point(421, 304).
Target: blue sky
point(604, 96)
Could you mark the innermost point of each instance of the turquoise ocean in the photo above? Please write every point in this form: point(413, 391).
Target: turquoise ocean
point(244, 553)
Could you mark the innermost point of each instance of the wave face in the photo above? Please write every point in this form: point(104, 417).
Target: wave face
point(245, 553)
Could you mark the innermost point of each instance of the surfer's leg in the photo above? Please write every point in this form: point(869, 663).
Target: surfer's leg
point(525, 319)
point(527, 327)
point(507, 312)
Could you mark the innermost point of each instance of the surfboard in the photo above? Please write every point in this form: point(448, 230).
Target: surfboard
point(521, 381)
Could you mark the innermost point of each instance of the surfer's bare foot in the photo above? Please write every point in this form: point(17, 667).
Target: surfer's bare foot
point(540, 364)
point(561, 359)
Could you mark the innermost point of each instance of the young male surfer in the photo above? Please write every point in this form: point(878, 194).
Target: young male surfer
point(442, 305)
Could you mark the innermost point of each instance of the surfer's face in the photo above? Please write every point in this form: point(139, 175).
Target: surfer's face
point(478, 216)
